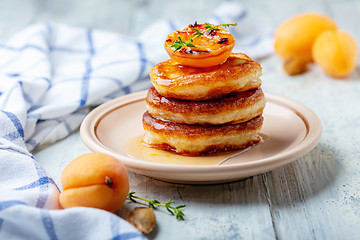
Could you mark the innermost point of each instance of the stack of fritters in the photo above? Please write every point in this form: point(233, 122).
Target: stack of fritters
point(200, 111)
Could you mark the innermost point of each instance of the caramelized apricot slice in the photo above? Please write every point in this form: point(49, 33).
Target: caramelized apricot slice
point(212, 48)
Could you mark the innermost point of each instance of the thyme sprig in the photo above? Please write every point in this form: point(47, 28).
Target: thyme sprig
point(179, 43)
point(177, 211)
point(208, 27)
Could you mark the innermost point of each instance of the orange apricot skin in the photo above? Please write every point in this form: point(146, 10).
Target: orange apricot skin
point(203, 62)
point(336, 52)
point(210, 49)
point(84, 182)
point(294, 38)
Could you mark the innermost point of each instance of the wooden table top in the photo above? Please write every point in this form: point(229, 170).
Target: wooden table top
point(315, 197)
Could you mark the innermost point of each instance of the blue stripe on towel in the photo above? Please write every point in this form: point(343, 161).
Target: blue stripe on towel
point(32, 142)
point(13, 74)
point(117, 62)
point(6, 204)
point(62, 49)
point(25, 95)
point(91, 43)
point(118, 81)
point(48, 224)
point(143, 60)
point(43, 196)
point(14, 149)
point(47, 80)
point(85, 85)
point(27, 46)
point(37, 183)
point(44, 188)
point(68, 50)
point(15, 122)
point(36, 116)
point(11, 136)
point(33, 108)
point(86, 77)
point(21, 49)
point(126, 90)
point(45, 216)
point(68, 127)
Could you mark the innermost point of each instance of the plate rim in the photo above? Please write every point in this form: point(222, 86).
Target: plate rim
point(312, 138)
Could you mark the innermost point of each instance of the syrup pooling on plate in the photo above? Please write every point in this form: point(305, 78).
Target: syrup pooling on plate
point(136, 149)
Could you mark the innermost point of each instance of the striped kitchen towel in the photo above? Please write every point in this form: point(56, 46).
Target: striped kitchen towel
point(50, 75)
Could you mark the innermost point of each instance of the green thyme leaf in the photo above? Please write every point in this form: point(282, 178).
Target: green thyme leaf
point(197, 32)
point(178, 44)
point(177, 211)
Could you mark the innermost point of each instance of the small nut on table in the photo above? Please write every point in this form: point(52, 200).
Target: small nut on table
point(143, 218)
point(294, 66)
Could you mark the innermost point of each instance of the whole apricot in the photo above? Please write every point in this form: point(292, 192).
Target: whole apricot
point(95, 180)
point(336, 53)
point(294, 38)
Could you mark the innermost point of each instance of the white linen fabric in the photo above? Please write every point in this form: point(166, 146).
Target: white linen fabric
point(50, 76)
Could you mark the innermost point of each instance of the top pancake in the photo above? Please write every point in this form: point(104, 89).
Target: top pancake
point(239, 73)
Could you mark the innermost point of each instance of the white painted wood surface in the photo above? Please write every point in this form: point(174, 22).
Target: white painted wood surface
point(316, 197)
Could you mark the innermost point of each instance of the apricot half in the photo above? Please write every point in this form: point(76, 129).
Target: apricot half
point(211, 48)
point(294, 38)
point(336, 53)
point(95, 180)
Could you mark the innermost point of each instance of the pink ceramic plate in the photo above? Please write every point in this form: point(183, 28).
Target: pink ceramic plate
point(290, 130)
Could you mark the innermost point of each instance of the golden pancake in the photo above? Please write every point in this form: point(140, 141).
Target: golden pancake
point(232, 108)
point(195, 140)
point(238, 73)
